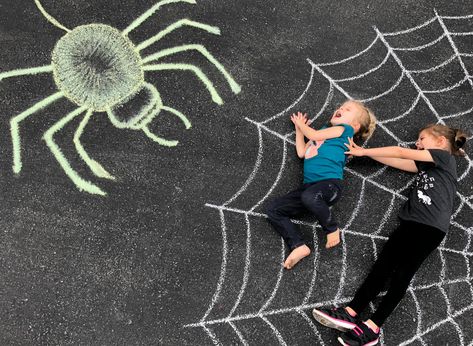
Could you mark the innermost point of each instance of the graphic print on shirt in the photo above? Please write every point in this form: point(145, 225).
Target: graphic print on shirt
point(313, 149)
point(423, 183)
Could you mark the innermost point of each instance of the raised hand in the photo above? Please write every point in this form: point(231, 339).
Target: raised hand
point(299, 119)
point(353, 148)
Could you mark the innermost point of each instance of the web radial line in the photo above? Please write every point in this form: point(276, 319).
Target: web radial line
point(325, 105)
point(386, 215)
point(238, 333)
point(223, 267)
point(278, 281)
point(454, 46)
point(275, 331)
point(267, 129)
point(212, 336)
point(419, 315)
point(413, 82)
point(394, 33)
point(343, 271)
point(312, 326)
point(349, 58)
point(314, 266)
point(437, 284)
point(278, 177)
point(451, 87)
point(413, 105)
point(361, 75)
point(431, 43)
point(252, 175)
point(339, 88)
point(436, 67)
point(246, 270)
point(296, 101)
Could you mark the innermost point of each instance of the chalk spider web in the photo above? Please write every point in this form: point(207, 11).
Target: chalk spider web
point(256, 301)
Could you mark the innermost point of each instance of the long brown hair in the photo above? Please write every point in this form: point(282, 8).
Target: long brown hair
point(455, 137)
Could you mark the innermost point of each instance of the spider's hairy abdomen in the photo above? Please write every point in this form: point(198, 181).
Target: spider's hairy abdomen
point(96, 66)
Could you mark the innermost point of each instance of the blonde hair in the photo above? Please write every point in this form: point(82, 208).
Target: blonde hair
point(367, 121)
point(456, 138)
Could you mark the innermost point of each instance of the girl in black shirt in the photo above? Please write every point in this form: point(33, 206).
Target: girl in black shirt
point(425, 219)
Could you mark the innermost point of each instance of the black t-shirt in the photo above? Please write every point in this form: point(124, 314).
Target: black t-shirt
point(431, 198)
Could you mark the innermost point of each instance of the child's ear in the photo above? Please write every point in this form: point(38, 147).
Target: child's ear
point(356, 127)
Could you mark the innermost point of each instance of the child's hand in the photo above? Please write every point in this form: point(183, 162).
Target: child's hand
point(353, 148)
point(299, 119)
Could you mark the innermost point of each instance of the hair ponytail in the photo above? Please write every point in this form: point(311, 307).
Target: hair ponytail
point(455, 137)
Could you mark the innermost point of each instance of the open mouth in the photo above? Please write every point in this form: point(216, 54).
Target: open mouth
point(337, 115)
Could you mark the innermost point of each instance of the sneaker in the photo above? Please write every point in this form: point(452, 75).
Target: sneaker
point(337, 318)
point(361, 335)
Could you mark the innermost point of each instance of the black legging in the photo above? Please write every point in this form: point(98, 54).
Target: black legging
point(402, 255)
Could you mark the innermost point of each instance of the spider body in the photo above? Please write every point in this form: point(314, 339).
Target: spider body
point(96, 66)
point(99, 69)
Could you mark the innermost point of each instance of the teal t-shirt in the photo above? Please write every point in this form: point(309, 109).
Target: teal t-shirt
point(326, 159)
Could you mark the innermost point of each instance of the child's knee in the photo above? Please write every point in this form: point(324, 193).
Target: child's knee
point(313, 201)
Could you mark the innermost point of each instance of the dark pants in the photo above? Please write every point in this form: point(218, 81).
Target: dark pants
point(313, 197)
point(402, 255)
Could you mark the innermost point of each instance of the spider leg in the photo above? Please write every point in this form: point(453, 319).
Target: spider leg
point(71, 173)
point(138, 21)
point(94, 166)
point(26, 71)
point(202, 50)
point(15, 131)
point(169, 143)
point(198, 72)
point(50, 18)
point(175, 26)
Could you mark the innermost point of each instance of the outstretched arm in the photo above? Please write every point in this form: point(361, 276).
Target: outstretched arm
point(397, 157)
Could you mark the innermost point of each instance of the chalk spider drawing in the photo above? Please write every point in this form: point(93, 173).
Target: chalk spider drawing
point(99, 69)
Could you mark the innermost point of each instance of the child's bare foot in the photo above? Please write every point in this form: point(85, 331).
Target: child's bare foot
point(296, 255)
point(333, 239)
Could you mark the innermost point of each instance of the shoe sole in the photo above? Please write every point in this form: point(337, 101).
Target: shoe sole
point(331, 322)
point(340, 340)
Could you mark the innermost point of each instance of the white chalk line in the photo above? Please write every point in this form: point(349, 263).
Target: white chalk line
point(361, 75)
point(436, 67)
point(315, 263)
point(246, 270)
point(328, 99)
point(453, 45)
point(395, 33)
point(406, 113)
point(238, 333)
point(256, 167)
point(223, 267)
point(312, 326)
point(212, 336)
point(416, 48)
point(275, 331)
point(278, 280)
point(456, 85)
point(420, 94)
point(350, 57)
point(296, 101)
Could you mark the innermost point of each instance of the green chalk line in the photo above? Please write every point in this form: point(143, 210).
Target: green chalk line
point(61, 159)
point(94, 166)
point(49, 17)
point(180, 23)
point(208, 84)
point(14, 127)
point(26, 71)
point(201, 49)
point(137, 22)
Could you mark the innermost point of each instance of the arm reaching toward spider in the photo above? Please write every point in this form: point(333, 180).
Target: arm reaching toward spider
point(396, 157)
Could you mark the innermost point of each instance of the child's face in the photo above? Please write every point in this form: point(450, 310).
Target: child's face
point(348, 113)
point(427, 140)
